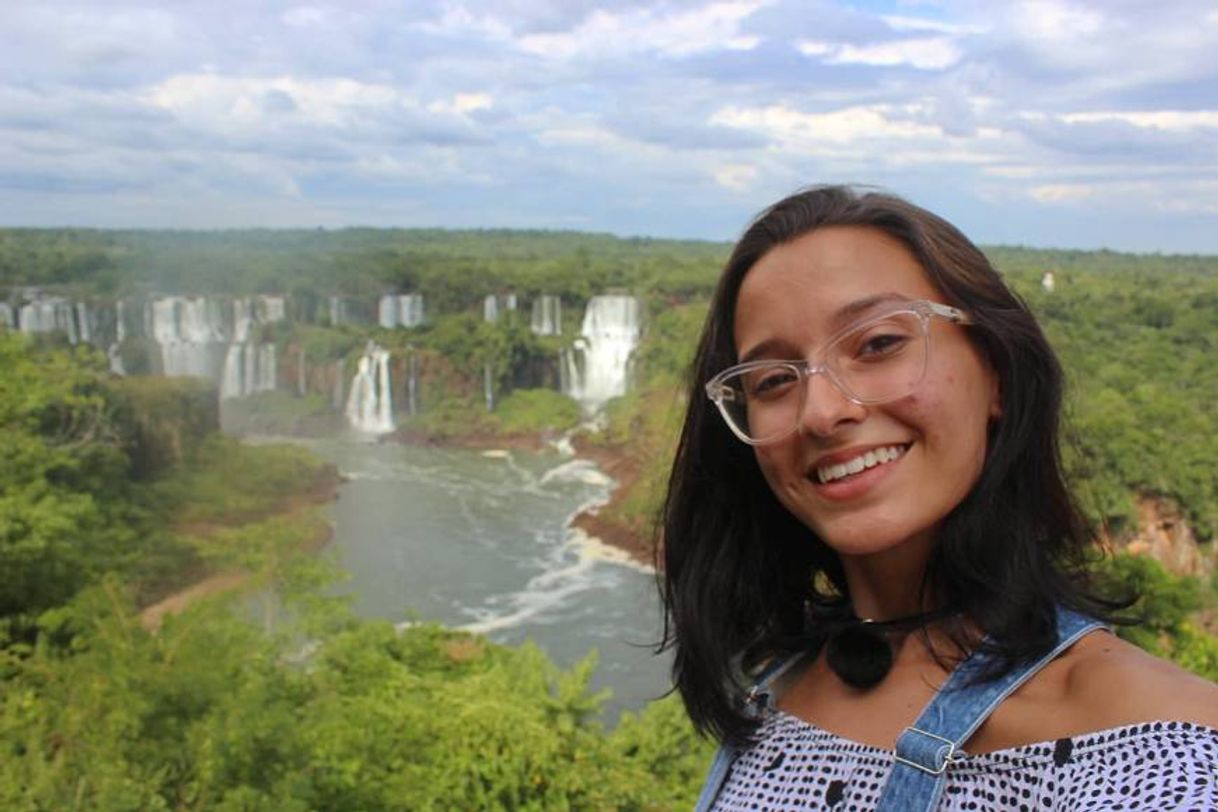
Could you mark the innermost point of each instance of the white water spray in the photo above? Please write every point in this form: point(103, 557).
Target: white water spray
point(595, 369)
point(370, 402)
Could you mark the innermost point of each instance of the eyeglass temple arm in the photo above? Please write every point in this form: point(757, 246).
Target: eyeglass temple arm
point(952, 314)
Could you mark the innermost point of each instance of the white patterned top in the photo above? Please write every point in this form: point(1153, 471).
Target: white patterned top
point(1156, 766)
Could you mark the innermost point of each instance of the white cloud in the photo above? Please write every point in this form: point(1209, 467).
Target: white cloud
point(1185, 197)
point(305, 16)
point(901, 23)
point(1170, 120)
point(816, 130)
point(710, 28)
point(1062, 192)
point(457, 22)
point(925, 53)
point(736, 177)
point(225, 102)
point(1057, 20)
point(463, 103)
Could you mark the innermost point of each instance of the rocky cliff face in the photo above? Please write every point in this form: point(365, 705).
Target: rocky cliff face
point(1164, 534)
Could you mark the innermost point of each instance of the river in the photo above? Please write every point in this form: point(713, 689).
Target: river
point(481, 541)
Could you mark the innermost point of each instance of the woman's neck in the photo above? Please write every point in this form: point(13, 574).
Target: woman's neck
point(888, 584)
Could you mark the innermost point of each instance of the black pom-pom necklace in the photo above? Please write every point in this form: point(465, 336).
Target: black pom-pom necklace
point(859, 650)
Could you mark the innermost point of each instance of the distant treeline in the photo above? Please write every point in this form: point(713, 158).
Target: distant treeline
point(452, 269)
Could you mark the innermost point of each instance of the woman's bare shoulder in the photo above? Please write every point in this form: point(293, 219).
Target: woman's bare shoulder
point(1116, 683)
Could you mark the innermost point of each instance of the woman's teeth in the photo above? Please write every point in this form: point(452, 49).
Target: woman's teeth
point(874, 457)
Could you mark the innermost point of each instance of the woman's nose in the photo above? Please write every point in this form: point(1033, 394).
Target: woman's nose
point(825, 406)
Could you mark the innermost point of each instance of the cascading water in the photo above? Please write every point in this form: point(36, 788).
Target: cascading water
point(338, 311)
point(403, 310)
point(191, 334)
point(203, 338)
point(45, 315)
point(6, 316)
point(495, 305)
point(370, 402)
point(488, 386)
point(249, 365)
point(412, 383)
point(547, 316)
point(114, 350)
point(595, 368)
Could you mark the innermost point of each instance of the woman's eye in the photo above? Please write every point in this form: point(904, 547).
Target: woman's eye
point(881, 345)
point(771, 383)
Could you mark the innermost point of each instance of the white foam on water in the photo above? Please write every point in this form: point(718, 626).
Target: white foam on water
point(578, 470)
point(547, 590)
point(563, 445)
point(497, 454)
point(594, 549)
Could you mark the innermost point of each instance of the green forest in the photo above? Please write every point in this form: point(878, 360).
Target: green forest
point(120, 491)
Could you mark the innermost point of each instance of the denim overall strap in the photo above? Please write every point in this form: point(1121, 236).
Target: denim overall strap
point(757, 703)
point(927, 749)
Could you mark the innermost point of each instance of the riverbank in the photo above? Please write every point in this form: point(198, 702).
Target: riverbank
point(600, 522)
point(297, 509)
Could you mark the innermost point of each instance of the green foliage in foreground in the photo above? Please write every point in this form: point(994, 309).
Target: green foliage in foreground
point(211, 714)
point(1168, 608)
point(100, 476)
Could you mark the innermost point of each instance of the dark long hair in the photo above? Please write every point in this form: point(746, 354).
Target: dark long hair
point(739, 568)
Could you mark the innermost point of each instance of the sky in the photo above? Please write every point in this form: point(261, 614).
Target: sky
point(1055, 123)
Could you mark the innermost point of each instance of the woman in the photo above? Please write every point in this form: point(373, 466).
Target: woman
point(867, 502)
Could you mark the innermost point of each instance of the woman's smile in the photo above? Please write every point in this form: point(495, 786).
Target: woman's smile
point(853, 473)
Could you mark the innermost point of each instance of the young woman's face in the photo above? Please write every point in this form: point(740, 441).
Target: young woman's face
point(792, 300)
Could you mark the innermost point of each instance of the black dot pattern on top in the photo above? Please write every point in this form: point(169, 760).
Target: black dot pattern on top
point(1158, 766)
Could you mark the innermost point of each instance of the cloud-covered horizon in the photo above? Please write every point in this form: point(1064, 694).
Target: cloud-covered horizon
point(1074, 123)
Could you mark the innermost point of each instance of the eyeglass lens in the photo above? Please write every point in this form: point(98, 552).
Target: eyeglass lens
point(881, 360)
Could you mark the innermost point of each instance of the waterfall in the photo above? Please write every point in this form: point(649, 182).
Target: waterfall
point(412, 383)
point(114, 350)
point(402, 310)
point(84, 329)
point(595, 367)
point(213, 339)
point(338, 311)
point(191, 334)
point(370, 403)
point(488, 386)
point(547, 316)
point(250, 366)
point(493, 306)
point(6, 316)
point(46, 315)
point(269, 309)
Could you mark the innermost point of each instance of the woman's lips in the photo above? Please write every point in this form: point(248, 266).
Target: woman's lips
point(848, 476)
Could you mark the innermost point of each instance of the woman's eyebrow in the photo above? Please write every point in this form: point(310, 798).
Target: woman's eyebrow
point(842, 316)
point(848, 312)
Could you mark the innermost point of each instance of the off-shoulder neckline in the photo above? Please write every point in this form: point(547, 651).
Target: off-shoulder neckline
point(1021, 755)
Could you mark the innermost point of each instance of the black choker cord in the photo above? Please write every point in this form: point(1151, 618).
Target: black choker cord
point(858, 650)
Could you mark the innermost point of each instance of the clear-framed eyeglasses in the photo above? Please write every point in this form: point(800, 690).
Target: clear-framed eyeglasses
point(878, 359)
